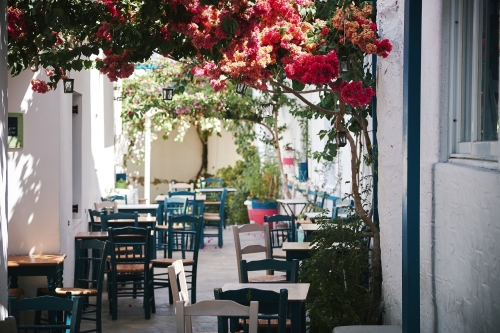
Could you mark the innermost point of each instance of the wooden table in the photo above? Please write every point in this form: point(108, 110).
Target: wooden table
point(215, 189)
point(309, 229)
point(144, 221)
point(297, 250)
point(287, 203)
point(49, 265)
point(297, 294)
point(103, 236)
point(141, 209)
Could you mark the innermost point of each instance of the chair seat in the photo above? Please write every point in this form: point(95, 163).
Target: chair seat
point(76, 291)
point(281, 255)
point(165, 227)
point(267, 278)
point(212, 203)
point(211, 216)
point(131, 268)
point(17, 292)
point(165, 262)
point(263, 323)
point(304, 222)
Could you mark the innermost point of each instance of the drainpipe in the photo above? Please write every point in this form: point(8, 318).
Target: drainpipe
point(411, 165)
point(374, 131)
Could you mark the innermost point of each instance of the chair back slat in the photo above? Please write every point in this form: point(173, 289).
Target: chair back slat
point(291, 268)
point(272, 305)
point(216, 308)
point(284, 230)
point(133, 217)
point(71, 307)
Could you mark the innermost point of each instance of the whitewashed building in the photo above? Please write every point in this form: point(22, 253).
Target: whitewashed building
point(459, 166)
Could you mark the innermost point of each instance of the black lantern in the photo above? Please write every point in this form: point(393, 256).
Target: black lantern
point(341, 138)
point(68, 85)
point(168, 94)
point(241, 88)
point(345, 65)
point(267, 110)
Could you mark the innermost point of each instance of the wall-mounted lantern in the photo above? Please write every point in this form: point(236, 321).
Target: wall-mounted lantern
point(69, 85)
point(345, 65)
point(341, 138)
point(168, 94)
point(241, 88)
point(267, 110)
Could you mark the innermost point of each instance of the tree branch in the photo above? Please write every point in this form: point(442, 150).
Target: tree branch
point(296, 94)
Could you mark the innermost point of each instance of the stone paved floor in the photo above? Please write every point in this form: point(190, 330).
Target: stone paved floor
point(215, 268)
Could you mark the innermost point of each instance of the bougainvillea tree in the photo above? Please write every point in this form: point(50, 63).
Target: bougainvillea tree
point(279, 46)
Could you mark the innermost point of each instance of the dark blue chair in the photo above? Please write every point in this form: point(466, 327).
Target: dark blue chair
point(215, 221)
point(283, 229)
point(71, 308)
point(131, 272)
point(187, 241)
point(272, 308)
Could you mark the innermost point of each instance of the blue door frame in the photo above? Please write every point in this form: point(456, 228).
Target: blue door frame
point(411, 165)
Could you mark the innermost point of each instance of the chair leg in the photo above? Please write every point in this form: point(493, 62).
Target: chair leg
point(220, 235)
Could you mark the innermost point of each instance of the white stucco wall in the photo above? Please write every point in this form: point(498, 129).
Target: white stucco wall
point(390, 119)
point(180, 161)
point(459, 204)
point(57, 167)
point(3, 159)
point(467, 254)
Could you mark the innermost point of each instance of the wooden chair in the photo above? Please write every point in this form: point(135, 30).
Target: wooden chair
point(284, 229)
point(174, 187)
point(94, 226)
point(133, 217)
point(192, 205)
point(173, 206)
point(8, 325)
point(254, 247)
point(99, 206)
point(70, 307)
point(215, 221)
point(216, 308)
point(272, 308)
point(88, 279)
point(179, 289)
point(213, 198)
point(188, 242)
point(131, 271)
point(290, 268)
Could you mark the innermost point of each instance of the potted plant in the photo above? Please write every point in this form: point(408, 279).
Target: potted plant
point(261, 178)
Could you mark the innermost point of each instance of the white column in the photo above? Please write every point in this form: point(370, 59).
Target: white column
point(3, 159)
point(147, 157)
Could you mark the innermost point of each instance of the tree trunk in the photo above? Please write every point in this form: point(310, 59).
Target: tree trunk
point(376, 287)
point(284, 177)
point(203, 136)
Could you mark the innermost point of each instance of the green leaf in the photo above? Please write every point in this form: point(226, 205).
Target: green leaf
point(229, 25)
point(299, 86)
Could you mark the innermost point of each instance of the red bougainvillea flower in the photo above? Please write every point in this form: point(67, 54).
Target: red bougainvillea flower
point(355, 95)
point(116, 66)
point(313, 69)
point(16, 28)
point(383, 47)
point(39, 86)
point(104, 33)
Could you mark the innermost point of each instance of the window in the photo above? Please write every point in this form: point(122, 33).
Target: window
point(474, 78)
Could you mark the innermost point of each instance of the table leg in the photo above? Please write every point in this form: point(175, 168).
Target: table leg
point(13, 282)
point(287, 209)
point(298, 317)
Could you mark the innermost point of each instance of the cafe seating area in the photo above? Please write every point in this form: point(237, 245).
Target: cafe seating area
point(139, 287)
